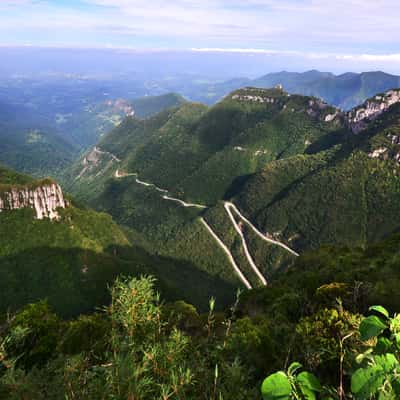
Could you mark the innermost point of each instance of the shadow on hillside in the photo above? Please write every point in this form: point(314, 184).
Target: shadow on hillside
point(76, 281)
point(237, 185)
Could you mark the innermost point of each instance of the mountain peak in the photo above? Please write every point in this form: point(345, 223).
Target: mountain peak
point(257, 95)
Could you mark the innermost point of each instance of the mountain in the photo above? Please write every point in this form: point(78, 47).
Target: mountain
point(141, 171)
point(346, 193)
point(145, 107)
point(344, 91)
point(51, 248)
point(241, 188)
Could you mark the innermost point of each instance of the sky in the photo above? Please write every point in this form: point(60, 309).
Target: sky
point(347, 34)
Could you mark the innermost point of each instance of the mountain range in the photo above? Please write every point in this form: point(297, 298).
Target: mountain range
point(258, 178)
point(344, 91)
point(283, 194)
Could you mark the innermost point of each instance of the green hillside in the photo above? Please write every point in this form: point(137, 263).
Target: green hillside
point(72, 261)
point(202, 156)
point(200, 152)
point(341, 196)
point(46, 141)
point(145, 107)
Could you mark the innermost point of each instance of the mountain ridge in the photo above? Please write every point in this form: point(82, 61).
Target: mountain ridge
point(256, 148)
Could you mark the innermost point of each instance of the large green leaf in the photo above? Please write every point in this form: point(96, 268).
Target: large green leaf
point(293, 368)
point(276, 387)
point(388, 362)
point(310, 381)
point(309, 385)
point(381, 310)
point(383, 345)
point(371, 327)
point(367, 381)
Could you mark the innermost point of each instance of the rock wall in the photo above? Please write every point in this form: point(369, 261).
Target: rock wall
point(360, 117)
point(45, 200)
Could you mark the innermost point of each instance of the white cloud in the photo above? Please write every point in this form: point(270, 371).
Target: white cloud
point(394, 57)
point(306, 26)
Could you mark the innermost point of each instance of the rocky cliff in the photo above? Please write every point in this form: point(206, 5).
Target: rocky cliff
point(359, 117)
point(44, 199)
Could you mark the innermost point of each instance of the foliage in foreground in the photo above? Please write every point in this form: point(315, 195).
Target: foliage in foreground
point(377, 375)
point(134, 350)
point(142, 348)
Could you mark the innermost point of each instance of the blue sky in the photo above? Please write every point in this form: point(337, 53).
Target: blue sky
point(349, 32)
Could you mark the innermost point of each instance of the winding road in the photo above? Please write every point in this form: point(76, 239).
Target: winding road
point(229, 205)
point(183, 203)
point(228, 253)
point(231, 209)
point(244, 243)
point(119, 174)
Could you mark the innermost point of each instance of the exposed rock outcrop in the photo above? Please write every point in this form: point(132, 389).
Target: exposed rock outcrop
point(378, 152)
point(388, 152)
point(359, 117)
point(96, 158)
point(254, 99)
point(44, 199)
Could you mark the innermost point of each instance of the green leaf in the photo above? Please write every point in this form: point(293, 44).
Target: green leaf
point(309, 381)
point(366, 381)
point(371, 327)
point(381, 310)
point(397, 339)
point(308, 394)
point(293, 368)
point(383, 345)
point(388, 362)
point(276, 387)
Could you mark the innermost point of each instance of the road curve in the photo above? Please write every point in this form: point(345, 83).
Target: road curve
point(261, 235)
point(230, 208)
point(125, 174)
point(228, 253)
point(246, 249)
point(119, 174)
point(183, 203)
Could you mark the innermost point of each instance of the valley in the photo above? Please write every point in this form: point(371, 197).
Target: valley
point(199, 200)
point(211, 165)
point(283, 199)
point(248, 181)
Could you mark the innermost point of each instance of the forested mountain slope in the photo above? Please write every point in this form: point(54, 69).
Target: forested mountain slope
point(145, 170)
point(51, 248)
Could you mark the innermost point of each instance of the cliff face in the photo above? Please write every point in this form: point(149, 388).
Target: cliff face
point(43, 199)
point(359, 117)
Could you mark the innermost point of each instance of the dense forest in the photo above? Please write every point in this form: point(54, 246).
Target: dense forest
point(143, 347)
